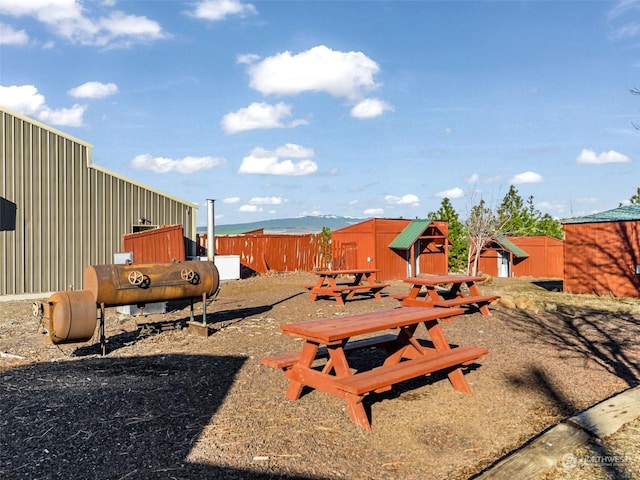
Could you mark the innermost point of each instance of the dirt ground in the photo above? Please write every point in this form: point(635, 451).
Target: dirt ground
point(165, 403)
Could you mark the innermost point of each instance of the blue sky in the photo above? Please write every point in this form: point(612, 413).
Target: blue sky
point(280, 109)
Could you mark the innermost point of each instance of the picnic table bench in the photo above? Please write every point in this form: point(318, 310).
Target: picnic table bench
point(406, 357)
point(454, 296)
point(327, 284)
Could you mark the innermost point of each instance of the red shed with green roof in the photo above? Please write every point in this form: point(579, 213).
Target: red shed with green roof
point(602, 253)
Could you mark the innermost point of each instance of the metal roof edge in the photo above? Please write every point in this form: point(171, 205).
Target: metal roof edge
point(624, 213)
point(90, 163)
point(507, 244)
point(409, 234)
point(40, 124)
point(142, 185)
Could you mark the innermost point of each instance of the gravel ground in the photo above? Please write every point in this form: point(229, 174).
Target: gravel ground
point(165, 403)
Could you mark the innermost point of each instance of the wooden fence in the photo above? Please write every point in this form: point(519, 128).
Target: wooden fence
point(264, 253)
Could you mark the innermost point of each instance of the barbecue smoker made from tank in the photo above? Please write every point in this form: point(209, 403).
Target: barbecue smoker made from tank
point(71, 316)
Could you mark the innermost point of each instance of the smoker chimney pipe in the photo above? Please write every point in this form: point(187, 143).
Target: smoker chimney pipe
point(211, 231)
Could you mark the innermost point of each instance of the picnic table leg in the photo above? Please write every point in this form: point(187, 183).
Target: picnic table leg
point(376, 291)
point(308, 355)
point(357, 413)
point(332, 285)
point(475, 291)
point(432, 294)
point(414, 292)
point(456, 377)
point(357, 280)
point(411, 300)
point(405, 346)
point(319, 283)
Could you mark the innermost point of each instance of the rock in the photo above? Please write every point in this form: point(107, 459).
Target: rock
point(506, 302)
point(524, 303)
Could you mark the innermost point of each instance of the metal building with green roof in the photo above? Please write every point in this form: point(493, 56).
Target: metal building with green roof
point(602, 252)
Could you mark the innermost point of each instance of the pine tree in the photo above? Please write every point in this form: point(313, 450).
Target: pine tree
point(457, 235)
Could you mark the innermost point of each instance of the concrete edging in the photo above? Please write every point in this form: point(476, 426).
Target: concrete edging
point(545, 451)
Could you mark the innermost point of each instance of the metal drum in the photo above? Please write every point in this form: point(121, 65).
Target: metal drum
point(138, 284)
point(68, 317)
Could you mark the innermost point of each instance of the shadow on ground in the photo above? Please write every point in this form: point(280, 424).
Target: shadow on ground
point(596, 336)
point(111, 418)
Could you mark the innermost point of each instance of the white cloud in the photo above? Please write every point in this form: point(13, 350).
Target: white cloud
point(370, 108)
point(265, 162)
point(473, 178)
point(11, 36)
point(247, 58)
point(557, 207)
point(622, 18)
point(249, 208)
point(589, 157)
point(408, 199)
point(526, 177)
point(319, 69)
point(452, 193)
point(119, 24)
point(231, 200)
point(167, 165)
point(72, 20)
point(293, 150)
point(94, 90)
point(374, 212)
point(27, 100)
point(257, 116)
point(70, 117)
point(266, 201)
point(216, 10)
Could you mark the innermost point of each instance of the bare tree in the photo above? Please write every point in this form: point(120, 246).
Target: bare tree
point(483, 225)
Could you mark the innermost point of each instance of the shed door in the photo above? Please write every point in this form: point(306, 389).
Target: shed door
point(416, 256)
point(503, 264)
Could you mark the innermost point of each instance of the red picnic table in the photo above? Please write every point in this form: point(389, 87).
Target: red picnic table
point(462, 291)
point(362, 281)
point(406, 357)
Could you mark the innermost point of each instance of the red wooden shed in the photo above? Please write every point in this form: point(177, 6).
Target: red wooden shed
point(162, 244)
point(535, 256)
point(602, 253)
point(397, 248)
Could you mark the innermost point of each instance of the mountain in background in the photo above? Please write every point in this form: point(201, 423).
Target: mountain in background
point(308, 224)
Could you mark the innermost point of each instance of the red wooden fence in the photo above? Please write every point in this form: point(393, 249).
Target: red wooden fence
point(273, 252)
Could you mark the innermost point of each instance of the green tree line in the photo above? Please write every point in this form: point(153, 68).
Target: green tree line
point(512, 217)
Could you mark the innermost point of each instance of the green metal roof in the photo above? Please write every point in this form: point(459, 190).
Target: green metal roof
point(408, 236)
point(507, 244)
point(625, 213)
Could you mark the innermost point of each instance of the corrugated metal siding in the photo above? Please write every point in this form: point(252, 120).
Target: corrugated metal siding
point(601, 258)
point(70, 214)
